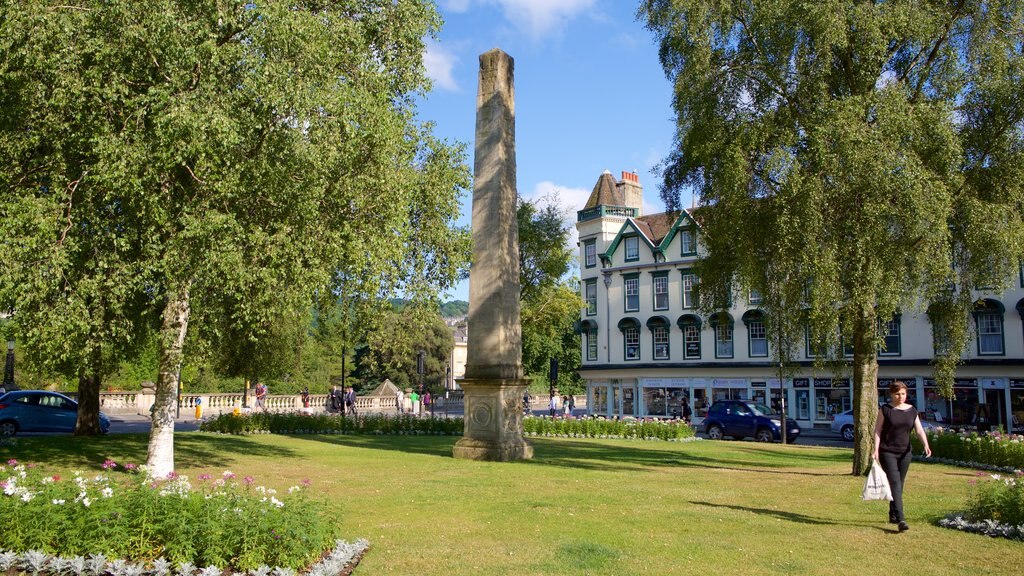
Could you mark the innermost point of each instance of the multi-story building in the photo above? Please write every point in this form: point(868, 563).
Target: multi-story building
point(646, 346)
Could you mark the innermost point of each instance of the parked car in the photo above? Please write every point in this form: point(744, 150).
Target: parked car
point(843, 424)
point(40, 411)
point(743, 419)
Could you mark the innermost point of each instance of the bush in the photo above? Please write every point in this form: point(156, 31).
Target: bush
point(999, 498)
point(992, 449)
point(323, 423)
point(219, 522)
point(601, 428)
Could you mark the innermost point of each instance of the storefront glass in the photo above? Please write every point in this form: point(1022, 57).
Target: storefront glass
point(831, 396)
point(600, 406)
point(957, 411)
point(1017, 405)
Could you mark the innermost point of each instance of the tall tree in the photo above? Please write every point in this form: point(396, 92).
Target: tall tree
point(550, 302)
point(870, 153)
point(259, 154)
point(396, 339)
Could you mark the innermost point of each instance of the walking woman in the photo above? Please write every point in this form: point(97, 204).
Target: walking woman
point(892, 446)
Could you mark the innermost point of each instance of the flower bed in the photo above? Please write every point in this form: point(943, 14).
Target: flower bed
point(73, 525)
point(602, 428)
point(996, 509)
point(1005, 451)
point(305, 423)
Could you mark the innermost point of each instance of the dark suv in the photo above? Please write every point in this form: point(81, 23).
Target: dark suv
point(742, 419)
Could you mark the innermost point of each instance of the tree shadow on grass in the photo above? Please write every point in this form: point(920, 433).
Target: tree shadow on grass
point(191, 450)
point(579, 454)
point(789, 516)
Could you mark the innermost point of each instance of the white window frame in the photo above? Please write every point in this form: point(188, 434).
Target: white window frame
point(756, 334)
point(691, 332)
point(590, 296)
point(990, 331)
point(589, 253)
point(631, 343)
point(662, 345)
point(659, 285)
point(890, 335)
point(631, 293)
point(687, 242)
point(689, 285)
point(592, 344)
point(724, 347)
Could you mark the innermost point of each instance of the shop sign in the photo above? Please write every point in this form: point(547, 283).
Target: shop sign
point(822, 382)
point(693, 349)
point(801, 383)
point(756, 384)
point(1015, 383)
point(957, 383)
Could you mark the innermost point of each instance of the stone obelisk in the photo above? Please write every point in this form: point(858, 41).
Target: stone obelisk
point(494, 382)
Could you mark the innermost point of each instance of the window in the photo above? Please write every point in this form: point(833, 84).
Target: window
point(990, 332)
point(687, 243)
point(754, 297)
point(691, 338)
point(632, 248)
point(721, 323)
point(590, 296)
point(661, 344)
point(590, 253)
point(660, 286)
point(891, 336)
point(591, 344)
point(631, 337)
point(689, 287)
point(632, 282)
point(757, 337)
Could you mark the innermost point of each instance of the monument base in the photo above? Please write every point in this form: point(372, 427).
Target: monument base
point(493, 421)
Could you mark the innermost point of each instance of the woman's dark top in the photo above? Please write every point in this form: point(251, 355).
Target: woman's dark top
point(896, 427)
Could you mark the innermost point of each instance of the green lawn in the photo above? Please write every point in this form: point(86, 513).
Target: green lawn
point(590, 506)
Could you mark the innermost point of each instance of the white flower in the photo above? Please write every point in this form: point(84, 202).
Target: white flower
point(58, 502)
point(86, 502)
point(294, 489)
point(276, 502)
point(107, 492)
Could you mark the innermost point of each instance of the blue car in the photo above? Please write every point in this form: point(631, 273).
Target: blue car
point(40, 411)
point(741, 419)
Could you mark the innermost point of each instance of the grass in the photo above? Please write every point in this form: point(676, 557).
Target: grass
point(595, 507)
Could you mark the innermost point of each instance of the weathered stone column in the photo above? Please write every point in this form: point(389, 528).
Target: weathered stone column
point(494, 382)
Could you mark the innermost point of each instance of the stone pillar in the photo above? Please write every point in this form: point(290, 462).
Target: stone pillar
point(494, 382)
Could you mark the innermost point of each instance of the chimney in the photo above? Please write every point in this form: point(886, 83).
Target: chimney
point(632, 191)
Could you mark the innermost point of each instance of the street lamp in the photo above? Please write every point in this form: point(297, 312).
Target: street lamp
point(9, 366)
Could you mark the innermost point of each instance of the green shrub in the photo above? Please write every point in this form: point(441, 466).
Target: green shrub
point(601, 428)
point(994, 449)
point(999, 498)
point(323, 423)
point(216, 522)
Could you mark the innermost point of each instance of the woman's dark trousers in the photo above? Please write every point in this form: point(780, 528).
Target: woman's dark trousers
point(895, 466)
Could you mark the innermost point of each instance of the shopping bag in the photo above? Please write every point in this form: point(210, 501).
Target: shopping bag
point(877, 485)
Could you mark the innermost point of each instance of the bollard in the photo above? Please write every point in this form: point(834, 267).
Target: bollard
point(199, 408)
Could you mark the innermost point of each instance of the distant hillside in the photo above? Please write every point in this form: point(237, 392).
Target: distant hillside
point(453, 309)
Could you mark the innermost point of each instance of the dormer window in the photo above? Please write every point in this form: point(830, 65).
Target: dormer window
point(632, 248)
point(687, 243)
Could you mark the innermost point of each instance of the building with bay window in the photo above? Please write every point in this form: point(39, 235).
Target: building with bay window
point(646, 347)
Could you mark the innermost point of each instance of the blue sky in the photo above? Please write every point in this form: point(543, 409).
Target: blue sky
point(590, 94)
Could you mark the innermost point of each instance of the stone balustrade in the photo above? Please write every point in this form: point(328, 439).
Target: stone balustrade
point(139, 402)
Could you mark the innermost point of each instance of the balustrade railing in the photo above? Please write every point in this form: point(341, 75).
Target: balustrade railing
point(140, 402)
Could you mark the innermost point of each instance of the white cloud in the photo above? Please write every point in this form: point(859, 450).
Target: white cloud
point(539, 17)
point(567, 199)
point(439, 63)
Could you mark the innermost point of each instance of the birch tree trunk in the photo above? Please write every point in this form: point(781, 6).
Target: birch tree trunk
point(172, 341)
point(865, 389)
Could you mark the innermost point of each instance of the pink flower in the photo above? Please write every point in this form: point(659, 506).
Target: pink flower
point(108, 464)
point(249, 480)
point(130, 466)
point(204, 476)
point(306, 482)
point(56, 478)
point(12, 462)
point(172, 475)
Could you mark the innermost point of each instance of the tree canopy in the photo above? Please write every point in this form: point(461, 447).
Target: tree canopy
point(215, 160)
point(853, 159)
